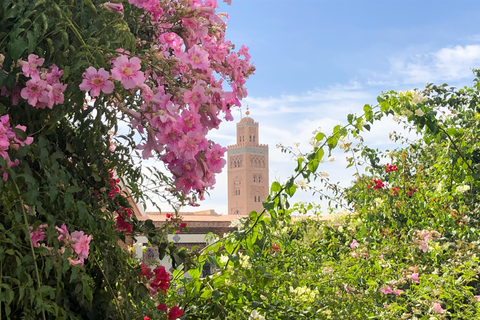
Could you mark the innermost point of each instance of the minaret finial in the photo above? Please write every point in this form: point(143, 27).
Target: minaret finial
point(247, 112)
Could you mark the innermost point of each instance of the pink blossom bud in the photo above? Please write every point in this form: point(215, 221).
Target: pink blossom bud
point(116, 7)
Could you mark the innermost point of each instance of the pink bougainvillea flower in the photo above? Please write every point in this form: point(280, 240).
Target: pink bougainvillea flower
point(162, 279)
point(197, 57)
point(55, 95)
point(54, 75)
point(64, 234)
point(145, 271)
point(398, 292)
point(123, 225)
point(386, 290)
point(437, 308)
point(195, 97)
point(37, 235)
point(162, 307)
point(34, 92)
point(174, 313)
point(140, 3)
point(378, 184)
point(414, 277)
point(29, 69)
point(191, 143)
point(18, 140)
point(147, 92)
point(423, 246)
point(354, 244)
point(127, 71)
point(94, 82)
point(116, 7)
point(215, 158)
point(223, 15)
point(229, 2)
point(81, 244)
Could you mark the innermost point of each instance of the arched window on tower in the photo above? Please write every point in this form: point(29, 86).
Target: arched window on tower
point(250, 138)
point(253, 138)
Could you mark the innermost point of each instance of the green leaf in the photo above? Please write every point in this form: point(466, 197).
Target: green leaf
point(16, 47)
point(32, 41)
point(276, 187)
point(207, 294)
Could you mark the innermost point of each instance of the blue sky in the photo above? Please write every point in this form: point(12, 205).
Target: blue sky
point(319, 60)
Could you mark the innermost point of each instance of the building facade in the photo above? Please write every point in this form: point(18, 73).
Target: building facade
point(247, 170)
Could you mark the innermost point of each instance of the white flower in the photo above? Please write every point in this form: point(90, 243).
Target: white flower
point(318, 130)
point(331, 159)
point(244, 261)
point(463, 188)
point(301, 184)
point(236, 223)
point(417, 97)
point(439, 187)
point(314, 142)
point(419, 112)
point(223, 258)
point(407, 113)
point(296, 144)
point(254, 315)
point(396, 118)
point(303, 294)
point(324, 175)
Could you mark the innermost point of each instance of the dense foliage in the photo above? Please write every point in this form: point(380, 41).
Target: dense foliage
point(405, 245)
point(88, 90)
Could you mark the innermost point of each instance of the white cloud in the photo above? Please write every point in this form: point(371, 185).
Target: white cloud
point(448, 64)
point(290, 118)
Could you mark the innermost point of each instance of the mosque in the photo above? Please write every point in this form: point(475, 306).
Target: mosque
point(248, 186)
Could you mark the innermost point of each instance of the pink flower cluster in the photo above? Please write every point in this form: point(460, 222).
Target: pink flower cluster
point(122, 225)
point(8, 141)
point(390, 168)
point(44, 88)
point(378, 184)
point(363, 250)
point(158, 280)
point(437, 308)
point(176, 222)
point(174, 119)
point(388, 290)
point(77, 241)
point(114, 185)
point(424, 236)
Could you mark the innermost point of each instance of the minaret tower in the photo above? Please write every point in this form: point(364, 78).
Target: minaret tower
point(247, 169)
